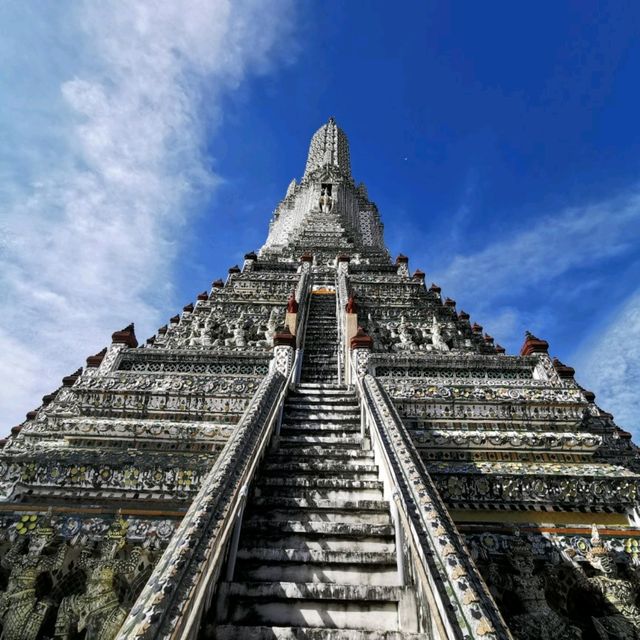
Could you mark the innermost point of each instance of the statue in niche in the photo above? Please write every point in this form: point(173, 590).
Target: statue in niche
point(218, 332)
point(98, 611)
point(405, 342)
point(436, 337)
point(423, 338)
point(539, 621)
point(326, 201)
point(201, 334)
point(620, 595)
point(196, 335)
point(207, 333)
point(238, 334)
point(392, 336)
point(21, 613)
point(272, 325)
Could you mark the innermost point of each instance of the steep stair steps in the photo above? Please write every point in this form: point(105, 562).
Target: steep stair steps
point(316, 557)
point(320, 361)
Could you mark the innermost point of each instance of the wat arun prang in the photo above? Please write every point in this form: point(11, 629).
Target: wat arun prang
point(321, 446)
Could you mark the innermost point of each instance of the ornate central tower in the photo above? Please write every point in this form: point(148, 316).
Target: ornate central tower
point(326, 213)
point(319, 447)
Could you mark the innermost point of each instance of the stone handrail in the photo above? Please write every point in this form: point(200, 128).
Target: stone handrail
point(341, 301)
point(304, 301)
point(454, 586)
point(181, 585)
point(303, 292)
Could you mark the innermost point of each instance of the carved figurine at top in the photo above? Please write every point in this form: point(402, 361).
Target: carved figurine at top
point(623, 621)
point(97, 610)
point(21, 613)
point(326, 201)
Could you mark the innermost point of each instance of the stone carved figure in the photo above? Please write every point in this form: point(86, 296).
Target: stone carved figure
point(201, 334)
point(409, 334)
point(97, 611)
point(539, 621)
point(376, 332)
point(239, 335)
point(436, 337)
point(326, 201)
point(272, 325)
point(623, 621)
point(406, 342)
point(206, 335)
point(21, 612)
point(249, 329)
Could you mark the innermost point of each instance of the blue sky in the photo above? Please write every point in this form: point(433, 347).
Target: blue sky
point(146, 147)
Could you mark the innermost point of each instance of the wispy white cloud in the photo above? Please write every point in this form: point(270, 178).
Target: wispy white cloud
point(609, 363)
point(112, 172)
point(513, 283)
point(550, 246)
point(460, 217)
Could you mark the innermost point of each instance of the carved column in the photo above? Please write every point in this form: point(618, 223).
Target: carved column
point(284, 347)
point(306, 261)
point(402, 262)
point(347, 318)
point(350, 331)
point(343, 264)
point(361, 346)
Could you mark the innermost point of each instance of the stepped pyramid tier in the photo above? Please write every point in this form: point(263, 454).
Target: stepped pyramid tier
point(321, 447)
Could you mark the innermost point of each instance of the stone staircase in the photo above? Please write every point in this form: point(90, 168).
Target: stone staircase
point(317, 555)
point(320, 362)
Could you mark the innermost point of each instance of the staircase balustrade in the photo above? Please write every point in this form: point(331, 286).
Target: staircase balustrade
point(342, 296)
point(304, 298)
point(453, 601)
point(182, 584)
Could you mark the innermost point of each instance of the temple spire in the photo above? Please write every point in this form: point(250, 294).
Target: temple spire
point(329, 146)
